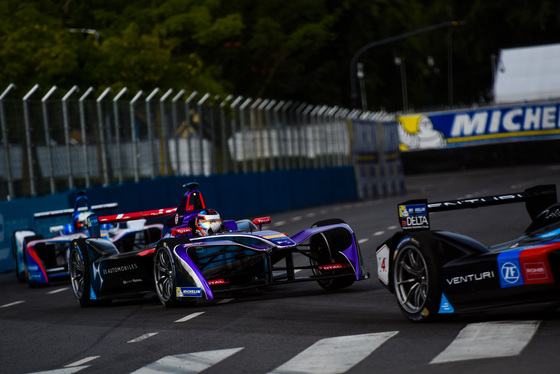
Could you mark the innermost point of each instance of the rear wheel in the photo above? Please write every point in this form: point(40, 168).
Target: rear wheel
point(324, 252)
point(416, 278)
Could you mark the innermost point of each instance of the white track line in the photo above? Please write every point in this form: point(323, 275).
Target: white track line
point(142, 337)
point(190, 363)
point(58, 290)
point(334, 355)
point(488, 340)
point(12, 304)
point(190, 316)
point(81, 362)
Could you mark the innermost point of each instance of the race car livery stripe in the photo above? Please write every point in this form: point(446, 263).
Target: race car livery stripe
point(534, 264)
point(510, 269)
point(35, 267)
point(526, 266)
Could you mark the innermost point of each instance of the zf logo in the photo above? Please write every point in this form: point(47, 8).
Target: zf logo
point(510, 272)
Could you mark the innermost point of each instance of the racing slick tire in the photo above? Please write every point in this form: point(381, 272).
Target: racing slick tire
point(323, 253)
point(417, 278)
point(80, 278)
point(164, 274)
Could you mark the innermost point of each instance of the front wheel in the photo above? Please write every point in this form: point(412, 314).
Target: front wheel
point(78, 268)
point(324, 251)
point(164, 276)
point(416, 278)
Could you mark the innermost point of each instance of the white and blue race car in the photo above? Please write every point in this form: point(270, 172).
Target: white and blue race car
point(39, 260)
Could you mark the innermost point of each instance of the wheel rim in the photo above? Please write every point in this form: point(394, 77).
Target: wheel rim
point(411, 279)
point(165, 283)
point(77, 272)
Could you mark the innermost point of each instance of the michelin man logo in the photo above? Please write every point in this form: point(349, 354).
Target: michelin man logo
point(417, 132)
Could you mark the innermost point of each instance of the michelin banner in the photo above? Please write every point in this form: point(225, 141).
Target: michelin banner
point(473, 127)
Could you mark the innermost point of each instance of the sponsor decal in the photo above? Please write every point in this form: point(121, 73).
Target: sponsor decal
point(275, 236)
point(215, 282)
point(383, 264)
point(535, 271)
point(181, 231)
point(262, 220)
point(510, 269)
point(189, 292)
point(414, 217)
point(333, 266)
point(431, 130)
point(445, 305)
point(510, 272)
point(470, 278)
point(120, 269)
point(132, 281)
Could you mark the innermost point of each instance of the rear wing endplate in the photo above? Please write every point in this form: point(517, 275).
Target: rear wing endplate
point(414, 214)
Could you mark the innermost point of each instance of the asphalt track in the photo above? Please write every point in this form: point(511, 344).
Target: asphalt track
point(299, 327)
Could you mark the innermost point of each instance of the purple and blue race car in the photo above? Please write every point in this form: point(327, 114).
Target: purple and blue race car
point(201, 257)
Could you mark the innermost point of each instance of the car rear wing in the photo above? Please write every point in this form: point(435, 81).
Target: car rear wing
point(414, 214)
point(62, 212)
point(123, 217)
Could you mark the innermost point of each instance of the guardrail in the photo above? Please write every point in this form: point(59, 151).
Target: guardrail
point(63, 140)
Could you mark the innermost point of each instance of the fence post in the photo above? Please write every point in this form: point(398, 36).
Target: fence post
point(252, 126)
point(47, 137)
point(200, 130)
point(175, 126)
point(104, 164)
point(6, 142)
point(118, 134)
point(279, 145)
point(188, 123)
point(150, 135)
point(163, 138)
point(223, 134)
point(260, 122)
point(243, 130)
point(134, 138)
point(28, 139)
point(67, 135)
point(83, 129)
point(287, 144)
point(234, 118)
point(333, 145)
point(268, 118)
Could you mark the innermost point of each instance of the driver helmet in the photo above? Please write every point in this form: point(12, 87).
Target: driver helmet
point(208, 222)
point(80, 222)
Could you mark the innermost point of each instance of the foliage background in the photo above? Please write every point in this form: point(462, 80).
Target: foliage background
point(290, 49)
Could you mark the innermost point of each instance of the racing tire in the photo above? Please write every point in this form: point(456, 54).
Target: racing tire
point(417, 278)
point(322, 253)
point(80, 277)
point(164, 275)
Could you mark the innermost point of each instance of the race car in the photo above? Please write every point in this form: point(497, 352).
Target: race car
point(39, 260)
point(201, 257)
point(434, 273)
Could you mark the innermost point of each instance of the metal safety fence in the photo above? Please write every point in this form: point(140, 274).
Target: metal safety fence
point(58, 140)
